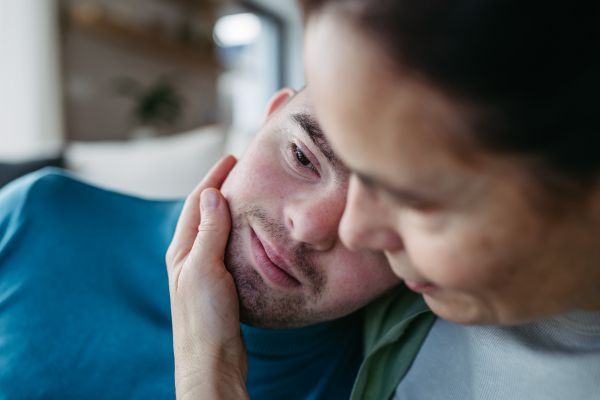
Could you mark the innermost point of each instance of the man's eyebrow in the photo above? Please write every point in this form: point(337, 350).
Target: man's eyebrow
point(312, 129)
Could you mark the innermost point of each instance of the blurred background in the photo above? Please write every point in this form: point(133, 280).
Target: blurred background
point(139, 96)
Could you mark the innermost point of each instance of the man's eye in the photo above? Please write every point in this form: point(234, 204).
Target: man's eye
point(301, 158)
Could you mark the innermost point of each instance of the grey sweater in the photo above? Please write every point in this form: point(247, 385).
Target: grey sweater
point(554, 358)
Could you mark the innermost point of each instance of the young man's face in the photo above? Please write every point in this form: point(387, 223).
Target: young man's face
point(287, 195)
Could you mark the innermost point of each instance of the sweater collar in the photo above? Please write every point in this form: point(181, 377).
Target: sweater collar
point(287, 342)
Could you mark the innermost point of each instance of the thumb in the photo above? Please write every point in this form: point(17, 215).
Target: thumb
point(210, 243)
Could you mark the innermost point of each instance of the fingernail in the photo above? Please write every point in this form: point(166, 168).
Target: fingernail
point(209, 200)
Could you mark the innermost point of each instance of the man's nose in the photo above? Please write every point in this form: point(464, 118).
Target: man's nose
point(367, 222)
point(314, 221)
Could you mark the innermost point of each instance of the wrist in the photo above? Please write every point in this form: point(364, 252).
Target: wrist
point(212, 377)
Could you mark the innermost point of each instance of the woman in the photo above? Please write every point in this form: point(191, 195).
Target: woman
point(474, 148)
point(471, 130)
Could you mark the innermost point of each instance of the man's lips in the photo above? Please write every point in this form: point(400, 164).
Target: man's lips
point(271, 265)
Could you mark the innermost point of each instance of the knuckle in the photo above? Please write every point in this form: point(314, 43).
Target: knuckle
point(210, 225)
point(210, 228)
point(172, 257)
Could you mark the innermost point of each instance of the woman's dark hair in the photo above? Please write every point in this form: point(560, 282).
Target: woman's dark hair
point(531, 67)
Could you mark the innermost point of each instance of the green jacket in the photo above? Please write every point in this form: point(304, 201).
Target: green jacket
point(395, 327)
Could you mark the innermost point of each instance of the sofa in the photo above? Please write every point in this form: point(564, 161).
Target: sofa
point(156, 168)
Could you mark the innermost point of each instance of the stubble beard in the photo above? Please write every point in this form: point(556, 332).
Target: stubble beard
point(260, 305)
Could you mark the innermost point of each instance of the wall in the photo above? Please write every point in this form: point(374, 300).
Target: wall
point(30, 95)
point(93, 62)
point(97, 112)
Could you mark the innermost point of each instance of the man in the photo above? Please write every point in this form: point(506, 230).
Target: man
point(83, 291)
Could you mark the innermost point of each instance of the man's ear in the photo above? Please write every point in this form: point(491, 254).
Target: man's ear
point(278, 100)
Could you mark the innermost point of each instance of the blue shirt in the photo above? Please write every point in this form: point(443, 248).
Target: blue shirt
point(85, 312)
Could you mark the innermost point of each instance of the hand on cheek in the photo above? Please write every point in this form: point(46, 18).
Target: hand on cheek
point(210, 357)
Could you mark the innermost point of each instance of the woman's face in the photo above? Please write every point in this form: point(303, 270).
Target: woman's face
point(464, 231)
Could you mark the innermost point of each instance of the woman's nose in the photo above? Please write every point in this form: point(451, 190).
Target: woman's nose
point(367, 222)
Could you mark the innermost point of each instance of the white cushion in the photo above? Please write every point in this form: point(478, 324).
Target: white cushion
point(160, 168)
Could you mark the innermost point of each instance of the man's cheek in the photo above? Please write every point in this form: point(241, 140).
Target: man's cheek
point(250, 183)
point(263, 176)
point(227, 187)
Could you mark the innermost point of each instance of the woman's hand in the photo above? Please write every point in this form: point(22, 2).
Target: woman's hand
point(210, 356)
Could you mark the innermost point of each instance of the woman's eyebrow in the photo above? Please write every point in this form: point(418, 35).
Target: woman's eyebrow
point(312, 129)
point(400, 194)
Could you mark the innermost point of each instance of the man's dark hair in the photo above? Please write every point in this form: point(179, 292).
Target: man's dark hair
point(530, 68)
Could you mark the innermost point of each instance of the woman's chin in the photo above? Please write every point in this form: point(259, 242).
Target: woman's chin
point(459, 309)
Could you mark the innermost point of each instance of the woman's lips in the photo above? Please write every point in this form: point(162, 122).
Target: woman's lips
point(270, 271)
point(420, 287)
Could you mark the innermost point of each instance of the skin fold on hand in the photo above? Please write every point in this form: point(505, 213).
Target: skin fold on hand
point(210, 355)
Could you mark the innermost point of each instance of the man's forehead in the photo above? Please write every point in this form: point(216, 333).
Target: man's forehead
point(300, 102)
